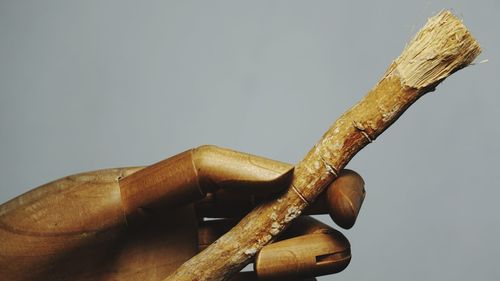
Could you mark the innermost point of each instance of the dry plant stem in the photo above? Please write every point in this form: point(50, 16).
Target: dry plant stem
point(441, 47)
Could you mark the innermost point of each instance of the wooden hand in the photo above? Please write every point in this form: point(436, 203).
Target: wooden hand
point(141, 223)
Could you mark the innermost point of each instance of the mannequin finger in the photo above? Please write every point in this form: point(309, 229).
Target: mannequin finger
point(222, 168)
point(344, 198)
point(190, 175)
point(318, 250)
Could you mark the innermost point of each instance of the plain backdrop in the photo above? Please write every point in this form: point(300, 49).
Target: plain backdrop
point(86, 85)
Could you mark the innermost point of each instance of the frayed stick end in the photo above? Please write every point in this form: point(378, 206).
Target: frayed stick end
point(441, 47)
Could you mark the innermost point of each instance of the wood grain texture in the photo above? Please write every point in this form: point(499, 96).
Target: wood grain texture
point(441, 47)
point(74, 228)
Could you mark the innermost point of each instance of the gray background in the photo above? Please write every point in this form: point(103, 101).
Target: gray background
point(94, 84)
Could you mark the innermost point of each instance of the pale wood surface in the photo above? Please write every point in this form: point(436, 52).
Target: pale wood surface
point(74, 228)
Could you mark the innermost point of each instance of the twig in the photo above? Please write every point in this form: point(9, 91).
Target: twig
point(441, 47)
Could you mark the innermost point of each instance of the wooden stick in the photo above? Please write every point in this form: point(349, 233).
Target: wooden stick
point(441, 47)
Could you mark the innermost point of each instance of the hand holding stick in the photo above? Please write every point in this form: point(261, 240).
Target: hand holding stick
point(441, 47)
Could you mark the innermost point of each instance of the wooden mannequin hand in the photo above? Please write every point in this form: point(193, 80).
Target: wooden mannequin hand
point(141, 223)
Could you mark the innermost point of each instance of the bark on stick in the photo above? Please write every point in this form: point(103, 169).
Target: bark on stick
point(440, 48)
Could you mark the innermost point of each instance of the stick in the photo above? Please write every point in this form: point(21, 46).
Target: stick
point(441, 47)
